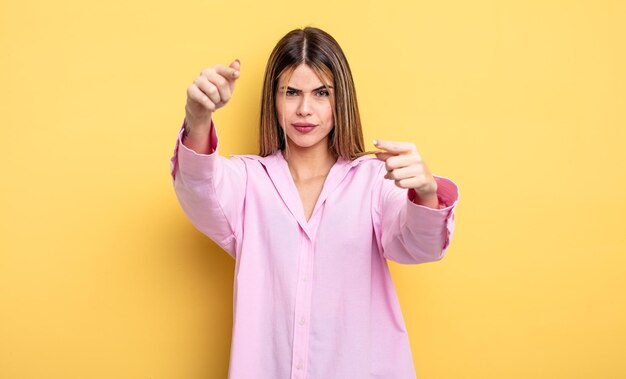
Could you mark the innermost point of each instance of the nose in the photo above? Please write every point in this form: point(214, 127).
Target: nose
point(304, 107)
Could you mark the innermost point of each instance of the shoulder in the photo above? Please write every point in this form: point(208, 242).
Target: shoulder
point(256, 160)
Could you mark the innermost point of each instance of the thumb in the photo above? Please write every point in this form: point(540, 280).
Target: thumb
point(236, 65)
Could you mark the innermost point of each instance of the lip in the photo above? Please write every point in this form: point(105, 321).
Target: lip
point(303, 127)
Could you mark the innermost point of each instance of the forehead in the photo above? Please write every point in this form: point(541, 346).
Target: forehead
point(303, 77)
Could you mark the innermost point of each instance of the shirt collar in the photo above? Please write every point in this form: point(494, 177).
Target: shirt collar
point(277, 158)
point(278, 171)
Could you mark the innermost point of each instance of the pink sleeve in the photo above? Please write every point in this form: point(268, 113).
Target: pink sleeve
point(211, 191)
point(412, 233)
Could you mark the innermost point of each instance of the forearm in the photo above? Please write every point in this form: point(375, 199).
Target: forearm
point(210, 189)
point(198, 142)
point(413, 232)
point(197, 134)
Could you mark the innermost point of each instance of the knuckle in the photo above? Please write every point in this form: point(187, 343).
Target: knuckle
point(217, 68)
point(220, 81)
point(197, 98)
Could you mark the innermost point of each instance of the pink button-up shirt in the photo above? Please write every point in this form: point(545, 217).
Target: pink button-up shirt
point(312, 299)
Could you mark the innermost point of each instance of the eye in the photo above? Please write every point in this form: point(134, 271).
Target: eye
point(323, 93)
point(290, 92)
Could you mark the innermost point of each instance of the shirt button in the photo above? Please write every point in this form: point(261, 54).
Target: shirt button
point(304, 279)
point(301, 322)
point(299, 366)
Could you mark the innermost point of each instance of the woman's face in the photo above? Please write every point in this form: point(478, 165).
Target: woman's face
point(305, 108)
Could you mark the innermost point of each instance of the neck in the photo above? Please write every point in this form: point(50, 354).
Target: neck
point(309, 162)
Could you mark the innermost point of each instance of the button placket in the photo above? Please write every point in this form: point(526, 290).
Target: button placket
point(303, 299)
point(306, 326)
point(304, 293)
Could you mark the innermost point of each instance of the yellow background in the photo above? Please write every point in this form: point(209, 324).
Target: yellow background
point(522, 103)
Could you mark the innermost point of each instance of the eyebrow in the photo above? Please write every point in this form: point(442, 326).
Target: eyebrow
point(299, 90)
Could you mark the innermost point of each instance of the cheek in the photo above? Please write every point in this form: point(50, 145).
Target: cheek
point(328, 113)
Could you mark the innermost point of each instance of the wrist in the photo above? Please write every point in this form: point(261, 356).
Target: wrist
point(425, 198)
point(195, 127)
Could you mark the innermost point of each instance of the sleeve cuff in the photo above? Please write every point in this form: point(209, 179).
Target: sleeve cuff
point(193, 164)
point(425, 217)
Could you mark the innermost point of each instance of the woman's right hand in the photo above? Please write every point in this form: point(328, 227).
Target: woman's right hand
point(209, 92)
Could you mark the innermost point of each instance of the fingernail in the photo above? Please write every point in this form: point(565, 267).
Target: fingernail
point(235, 74)
point(375, 142)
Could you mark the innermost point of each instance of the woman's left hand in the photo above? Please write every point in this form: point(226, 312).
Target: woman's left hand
point(406, 168)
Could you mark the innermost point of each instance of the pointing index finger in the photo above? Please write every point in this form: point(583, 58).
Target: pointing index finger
point(227, 72)
point(396, 147)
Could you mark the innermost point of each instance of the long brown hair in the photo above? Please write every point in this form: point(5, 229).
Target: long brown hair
point(321, 52)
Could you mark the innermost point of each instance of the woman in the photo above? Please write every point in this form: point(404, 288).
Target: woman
point(312, 219)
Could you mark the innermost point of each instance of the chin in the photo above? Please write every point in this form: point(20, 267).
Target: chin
point(305, 143)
